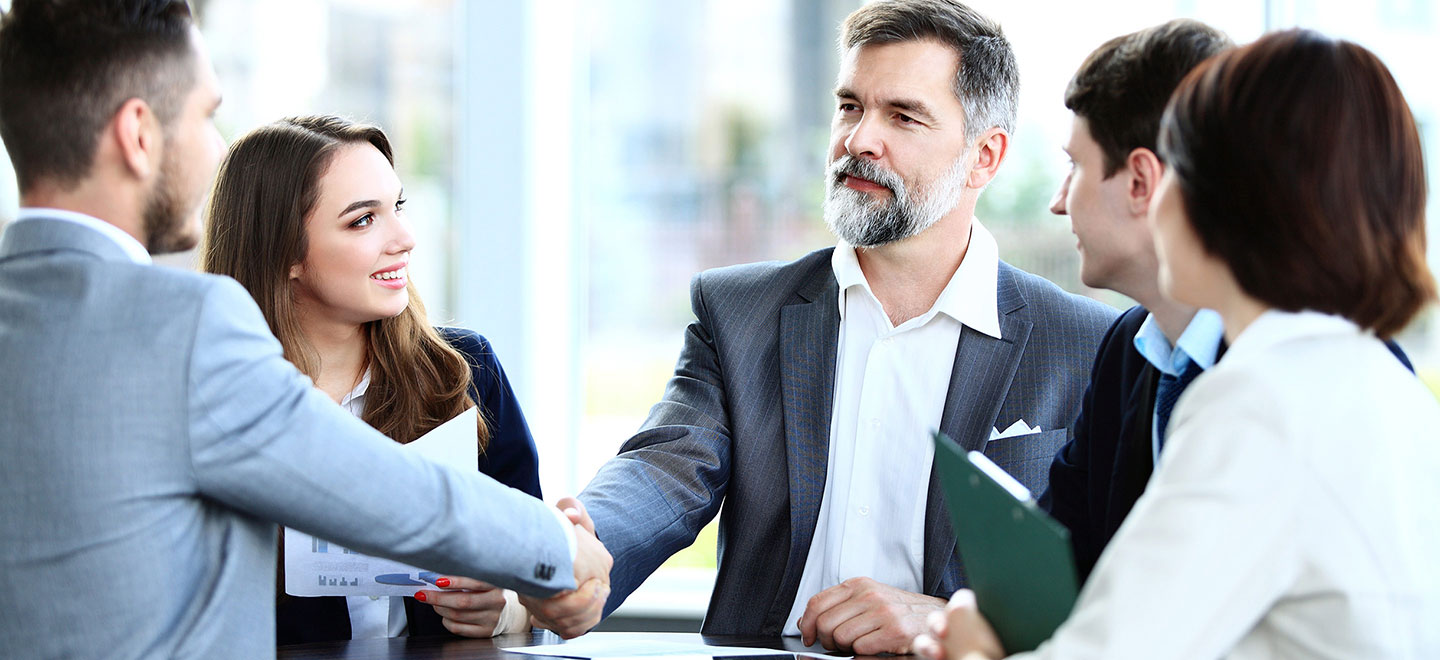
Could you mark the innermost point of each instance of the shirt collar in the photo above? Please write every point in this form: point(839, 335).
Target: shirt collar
point(358, 392)
point(1199, 343)
point(1276, 327)
point(127, 243)
point(969, 297)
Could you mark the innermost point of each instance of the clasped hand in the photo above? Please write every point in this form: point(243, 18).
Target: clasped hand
point(573, 613)
point(478, 609)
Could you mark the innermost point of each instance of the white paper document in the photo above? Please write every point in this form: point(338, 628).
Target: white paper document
point(316, 567)
point(589, 647)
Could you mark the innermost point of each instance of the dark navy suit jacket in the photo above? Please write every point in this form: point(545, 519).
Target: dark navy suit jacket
point(1102, 470)
point(510, 458)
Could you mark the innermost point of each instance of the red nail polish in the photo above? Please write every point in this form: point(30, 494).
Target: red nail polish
point(420, 596)
point(442, 582)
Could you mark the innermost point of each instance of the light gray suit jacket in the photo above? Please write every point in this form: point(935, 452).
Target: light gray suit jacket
point(151, 435)
point(745, 422)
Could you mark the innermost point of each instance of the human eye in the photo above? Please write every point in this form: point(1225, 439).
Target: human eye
point(400, 205)
point(846, 107)
point(363, 221)
point(905, 119)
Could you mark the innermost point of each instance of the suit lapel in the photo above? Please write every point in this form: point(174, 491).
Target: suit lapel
point(808, 334)
point(979, 380)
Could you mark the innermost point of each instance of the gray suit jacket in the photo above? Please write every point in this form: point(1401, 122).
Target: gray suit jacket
point(151, 435)
point(745, 422)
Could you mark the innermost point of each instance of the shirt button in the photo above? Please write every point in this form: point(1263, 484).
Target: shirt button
point(864, 510)
point(888, 340)
point(875, 422)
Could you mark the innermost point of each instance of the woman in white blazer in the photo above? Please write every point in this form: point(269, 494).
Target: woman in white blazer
point(1294, 513)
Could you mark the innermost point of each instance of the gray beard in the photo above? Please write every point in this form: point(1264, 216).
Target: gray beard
point(863, 221)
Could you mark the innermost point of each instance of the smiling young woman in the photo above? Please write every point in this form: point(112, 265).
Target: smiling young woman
point(308, 215)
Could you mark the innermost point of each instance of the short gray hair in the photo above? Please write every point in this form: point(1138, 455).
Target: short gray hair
point(988, 81)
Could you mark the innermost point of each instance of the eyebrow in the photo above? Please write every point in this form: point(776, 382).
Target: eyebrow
point(366, 203)
point(356, 206)
point(910, 106)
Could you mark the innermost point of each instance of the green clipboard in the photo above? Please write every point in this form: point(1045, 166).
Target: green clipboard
point(1018, 559)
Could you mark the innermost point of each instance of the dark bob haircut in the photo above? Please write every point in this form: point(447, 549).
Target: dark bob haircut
point(1300, 167)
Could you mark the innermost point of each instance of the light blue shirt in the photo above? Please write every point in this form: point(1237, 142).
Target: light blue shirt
point(1199, 343)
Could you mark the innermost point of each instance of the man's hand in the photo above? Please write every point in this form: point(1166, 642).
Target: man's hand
point(572, 613)
point(959, 633)
point(866, 617)
point(473, 611)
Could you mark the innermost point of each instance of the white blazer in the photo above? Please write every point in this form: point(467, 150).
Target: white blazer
point(1295, 512)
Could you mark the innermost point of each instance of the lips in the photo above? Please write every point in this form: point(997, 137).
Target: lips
point(856, 183)
point(393, 277)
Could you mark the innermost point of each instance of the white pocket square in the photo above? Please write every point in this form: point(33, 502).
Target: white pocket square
point(1018, 428)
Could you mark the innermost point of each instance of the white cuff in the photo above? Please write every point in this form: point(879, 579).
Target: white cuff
point(569, 528)
point(513, 617)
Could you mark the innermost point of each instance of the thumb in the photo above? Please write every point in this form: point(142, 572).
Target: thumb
point(575, 511)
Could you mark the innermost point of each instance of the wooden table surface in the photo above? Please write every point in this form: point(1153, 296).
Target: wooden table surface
point(449, 648)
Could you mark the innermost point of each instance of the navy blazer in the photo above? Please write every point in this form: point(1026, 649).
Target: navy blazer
point(1102, 470)
point(510, 458)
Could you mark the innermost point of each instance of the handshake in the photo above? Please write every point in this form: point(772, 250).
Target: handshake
point(478, 609)
point(572, 613)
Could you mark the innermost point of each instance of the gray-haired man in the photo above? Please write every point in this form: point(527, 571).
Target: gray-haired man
point(806, 392)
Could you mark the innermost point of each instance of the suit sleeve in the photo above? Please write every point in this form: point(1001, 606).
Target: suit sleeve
point(669, 478)
point(263, 440)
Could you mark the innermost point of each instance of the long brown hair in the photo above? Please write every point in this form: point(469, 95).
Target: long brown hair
point(255, 231)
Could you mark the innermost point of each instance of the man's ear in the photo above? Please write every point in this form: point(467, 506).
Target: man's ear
point(1144, 169)
point(138, 139)
point(990, 151)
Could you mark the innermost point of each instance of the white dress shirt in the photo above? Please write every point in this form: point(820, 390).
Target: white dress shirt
point(132, 247)
point(890, 389)
point(1292, 515)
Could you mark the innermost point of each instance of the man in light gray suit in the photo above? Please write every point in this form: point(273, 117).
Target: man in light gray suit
point(151, 433)
point(806, 392)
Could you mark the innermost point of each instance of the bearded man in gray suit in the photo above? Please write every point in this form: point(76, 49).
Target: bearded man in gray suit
point(806, 392)
point(151, 432)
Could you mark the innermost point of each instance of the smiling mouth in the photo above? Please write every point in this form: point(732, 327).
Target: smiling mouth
point(389, 275)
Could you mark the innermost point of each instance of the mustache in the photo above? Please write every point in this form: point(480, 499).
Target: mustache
point(848, 165)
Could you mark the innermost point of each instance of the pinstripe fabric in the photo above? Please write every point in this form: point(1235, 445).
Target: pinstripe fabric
point(766, 333)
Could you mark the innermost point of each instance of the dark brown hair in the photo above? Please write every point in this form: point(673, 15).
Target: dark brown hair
point(1121, 89)
point(988, 80)
point(66, 67)
point(1299, 165)
point(255, 231)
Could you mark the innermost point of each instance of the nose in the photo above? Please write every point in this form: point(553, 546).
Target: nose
point(864, 140)
point(401, 239)
point(1057, 203)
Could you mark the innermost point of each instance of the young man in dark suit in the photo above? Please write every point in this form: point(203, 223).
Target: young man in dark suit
point(1155, 349)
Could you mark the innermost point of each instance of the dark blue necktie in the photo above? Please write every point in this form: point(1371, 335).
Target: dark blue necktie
point(1168, 393)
